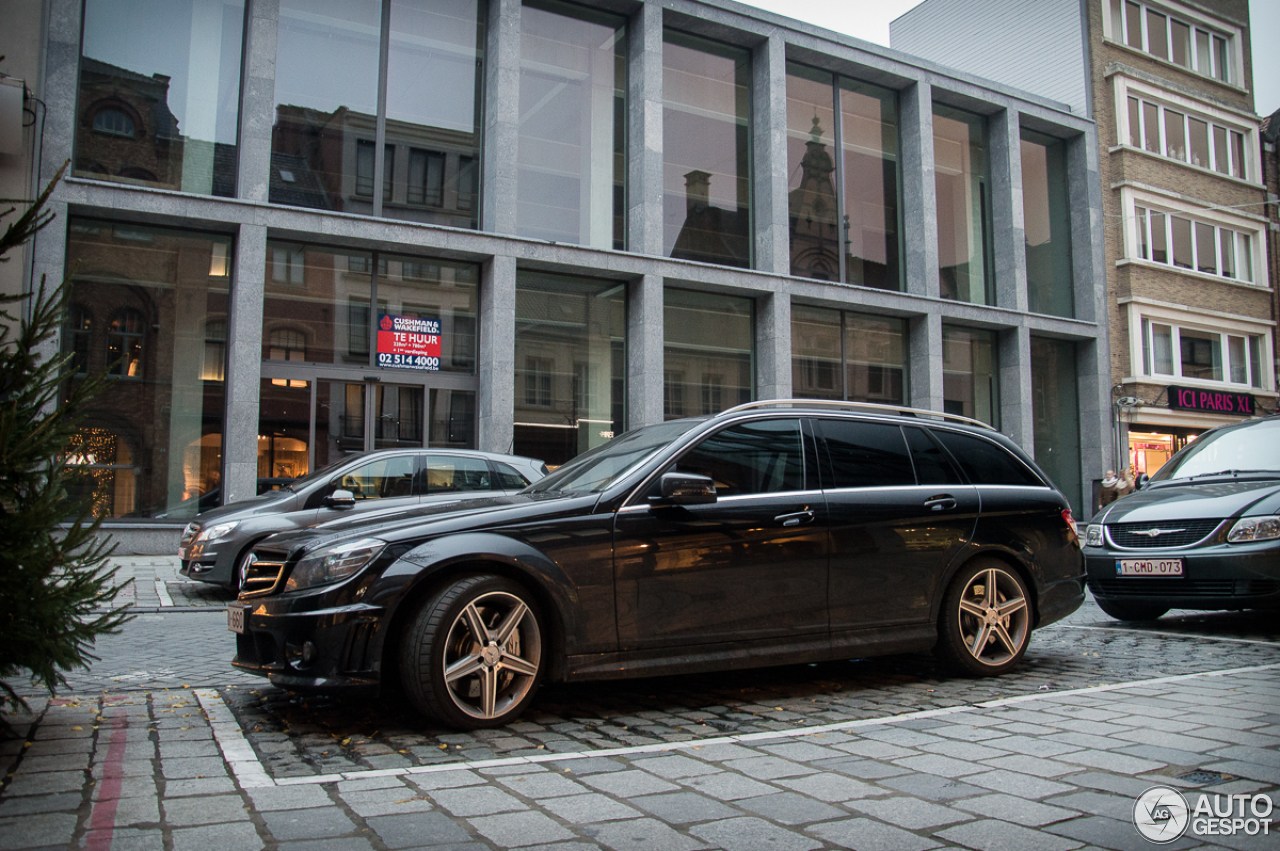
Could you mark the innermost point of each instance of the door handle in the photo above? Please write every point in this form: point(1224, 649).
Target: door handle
point(943, 502)
point(795, 519)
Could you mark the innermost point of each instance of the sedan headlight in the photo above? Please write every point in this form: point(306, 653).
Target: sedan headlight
point(213, 533)
point(330, 564)
point(1255, 529)
point(1093, 535)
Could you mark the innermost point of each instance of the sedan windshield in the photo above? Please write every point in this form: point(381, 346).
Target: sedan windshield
point(1252, 449)
point(594, 471)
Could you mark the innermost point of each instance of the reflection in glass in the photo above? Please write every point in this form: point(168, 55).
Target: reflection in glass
point(284, 430)
point(706, 126)
point(327, 112)
point(707, 372)
point(969, 377)
point(339, 421)
point(872, 350)
point(570, 359)
point(145, 300)
point(316, 307)
point(453, 418)
point(864, 238)
point(1047, 224)
point(159, 98)
point(572, 155)
point(964, 209)
point(1055, 409)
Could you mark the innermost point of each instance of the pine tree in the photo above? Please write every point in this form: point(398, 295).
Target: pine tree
point(54, 580)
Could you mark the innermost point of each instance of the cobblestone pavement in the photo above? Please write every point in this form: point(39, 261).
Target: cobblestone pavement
point(162, 744)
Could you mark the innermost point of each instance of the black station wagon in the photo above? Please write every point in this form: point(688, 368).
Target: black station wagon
point(774, 533)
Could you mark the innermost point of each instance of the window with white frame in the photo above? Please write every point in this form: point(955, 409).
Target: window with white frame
point(1178, 240)
point(1173, 38)
point(1184, 136)
point(1170, 350)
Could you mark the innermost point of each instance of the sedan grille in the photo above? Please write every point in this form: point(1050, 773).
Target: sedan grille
point(1170, 587)
point(1163, 534)
point(262, 574)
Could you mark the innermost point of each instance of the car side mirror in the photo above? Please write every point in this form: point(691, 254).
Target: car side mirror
point(1141, 481)
point(685, 489)
point(340, 499)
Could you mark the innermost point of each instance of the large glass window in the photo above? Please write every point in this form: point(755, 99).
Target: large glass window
point(159, 101)
point(1047, 224)
point(1186, 138)
point(1171, 350)
point(970, 377)
point(1055, 409)
point(570, 364)
point(964, 206)
point(145, 297)
point(317, 307)
point(706, 373)
point(839, 354)
point(323, 151)
point(573, 106)
point(859, 245)
point(706, 126)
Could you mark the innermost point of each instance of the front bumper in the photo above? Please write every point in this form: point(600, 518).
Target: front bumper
point(213, 562)
point(297, 646)
point(1220, 576)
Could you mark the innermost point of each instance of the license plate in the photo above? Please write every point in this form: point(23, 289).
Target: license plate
point(1149, 567)
point(235, 619)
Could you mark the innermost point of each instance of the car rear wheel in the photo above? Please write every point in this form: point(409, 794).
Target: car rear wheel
point(985, 623)
point(473, 656)
point(1131, 611)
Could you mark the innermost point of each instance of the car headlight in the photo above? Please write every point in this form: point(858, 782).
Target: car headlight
point(330, 564)
point(1093, 535)
point(213, 533)
point(1255, 529)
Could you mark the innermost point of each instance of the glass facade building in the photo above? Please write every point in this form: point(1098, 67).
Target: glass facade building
point(532, 225)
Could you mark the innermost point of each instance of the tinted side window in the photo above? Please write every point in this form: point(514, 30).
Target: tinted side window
point(382, 479)
point(452, 474)
point(933, 467)
point(865, 455)
point(984, 462)
point(509, 477)
point(758, 457)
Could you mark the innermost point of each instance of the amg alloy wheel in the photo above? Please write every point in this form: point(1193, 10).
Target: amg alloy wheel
point(473, 656)
point(986, 619)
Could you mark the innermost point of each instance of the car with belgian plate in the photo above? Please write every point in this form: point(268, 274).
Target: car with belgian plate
point(1202, 533)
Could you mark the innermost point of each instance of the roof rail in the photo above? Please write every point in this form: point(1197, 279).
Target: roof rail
point(871, 407)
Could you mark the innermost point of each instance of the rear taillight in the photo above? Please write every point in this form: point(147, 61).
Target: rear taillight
point(1071, 524)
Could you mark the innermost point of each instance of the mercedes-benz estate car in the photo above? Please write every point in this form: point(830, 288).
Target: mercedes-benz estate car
point(773, 533)
point(215, 545)
point(1202, 533)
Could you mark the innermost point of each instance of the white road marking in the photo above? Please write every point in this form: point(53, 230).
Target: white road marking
point(249, 771)
point(163, 593)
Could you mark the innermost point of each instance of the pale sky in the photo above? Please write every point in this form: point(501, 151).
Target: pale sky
point(869, 20)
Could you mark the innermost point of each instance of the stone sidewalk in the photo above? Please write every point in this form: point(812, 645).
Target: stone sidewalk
point(152, 583)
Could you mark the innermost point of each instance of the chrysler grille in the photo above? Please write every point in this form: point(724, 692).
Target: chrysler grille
point(1161, 535)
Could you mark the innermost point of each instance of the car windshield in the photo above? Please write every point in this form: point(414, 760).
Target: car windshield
point(594, 471)
point(322, 473)
point(1251, 449)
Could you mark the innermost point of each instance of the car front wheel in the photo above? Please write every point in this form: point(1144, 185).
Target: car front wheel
point(1131, 611)
point(473, 656)
point(985, 623)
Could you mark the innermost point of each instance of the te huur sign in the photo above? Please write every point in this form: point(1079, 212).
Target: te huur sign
point(1210, 401)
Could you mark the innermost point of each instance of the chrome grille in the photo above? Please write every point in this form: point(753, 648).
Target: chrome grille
point(262, 574)
point(1173, 587)
point(1161, 535)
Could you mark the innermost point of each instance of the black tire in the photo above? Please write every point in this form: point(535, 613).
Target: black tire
point(1131, 611)
point(979, 634)
point(467, 683)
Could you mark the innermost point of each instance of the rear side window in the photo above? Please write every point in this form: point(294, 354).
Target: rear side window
point(864, 455)
point(764, 456)
point(985, 463)
point(933, 467)
point(509, 477)
point(455, 474)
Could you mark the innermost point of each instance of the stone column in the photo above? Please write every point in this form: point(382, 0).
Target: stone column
point(244, 365)
point(925, 360)
point(1007, 215)
point(501, 117)
point(645, 343)
point(495, 402)
point(919, 193)
point(644, 141)
point(257, 104)
point(1017, 419)
point(773, 344)
point(771, 217)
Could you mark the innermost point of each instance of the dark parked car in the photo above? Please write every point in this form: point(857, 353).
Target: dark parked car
point(216, 545)
point(773, 533)
point(1202, 533)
